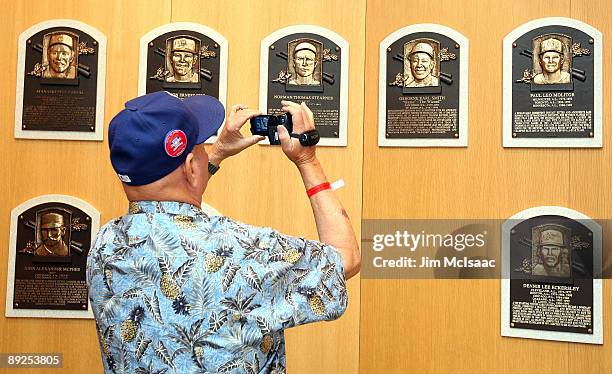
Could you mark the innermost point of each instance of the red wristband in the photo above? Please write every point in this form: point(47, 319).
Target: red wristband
point(318, 188)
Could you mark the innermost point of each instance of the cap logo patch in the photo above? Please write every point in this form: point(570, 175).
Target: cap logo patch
point(175, 143)
point(124, 178)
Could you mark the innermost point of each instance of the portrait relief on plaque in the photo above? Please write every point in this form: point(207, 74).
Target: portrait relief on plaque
point(304, 68)
point(552, 59)
point(551, 252)
point(551, 283)
point(307, 64)
point(60, 82)
point(422, 63)
point(52, 233)
point(552, 85)
point(50, 238)
point(60, 57)
point(184, 59)
point(423, 88)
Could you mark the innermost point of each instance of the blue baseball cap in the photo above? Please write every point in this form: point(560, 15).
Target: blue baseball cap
point(153, 135)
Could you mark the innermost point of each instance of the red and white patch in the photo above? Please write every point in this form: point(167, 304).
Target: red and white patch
point(175, 143)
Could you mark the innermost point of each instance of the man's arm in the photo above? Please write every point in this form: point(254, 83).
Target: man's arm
point(333, 224)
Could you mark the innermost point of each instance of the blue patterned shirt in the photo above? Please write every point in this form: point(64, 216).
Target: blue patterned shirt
point(174, 290)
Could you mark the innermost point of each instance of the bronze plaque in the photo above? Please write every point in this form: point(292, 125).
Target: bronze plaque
point(552, 85)
point(424, 98)
point(553, 276)
point(50, 242)
point(308, 67)
point(184, 61)
point(61, 90)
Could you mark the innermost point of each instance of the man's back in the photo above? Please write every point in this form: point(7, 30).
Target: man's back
point(175, 289)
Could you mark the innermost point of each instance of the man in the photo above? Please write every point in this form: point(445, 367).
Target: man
point(60, 57)
point(52, 231)
point(304, 64)
point(176, 290)
point(183, 60)
point(550, 253)
point(422, 62)
point(551, 60)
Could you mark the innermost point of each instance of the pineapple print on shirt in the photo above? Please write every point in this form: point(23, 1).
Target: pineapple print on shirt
point(174, 290)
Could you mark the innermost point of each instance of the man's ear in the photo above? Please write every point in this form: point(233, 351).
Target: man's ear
point(189, 168)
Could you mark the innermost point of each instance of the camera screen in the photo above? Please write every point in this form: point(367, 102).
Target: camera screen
point(259, 124)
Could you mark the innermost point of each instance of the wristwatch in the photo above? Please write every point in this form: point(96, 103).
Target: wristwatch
point(212, 169)
point(307, 139)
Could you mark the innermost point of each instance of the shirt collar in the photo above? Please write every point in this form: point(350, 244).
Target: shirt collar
point(168, 207)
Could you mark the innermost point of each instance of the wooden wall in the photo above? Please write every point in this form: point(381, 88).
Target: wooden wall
point(424, 326)
point(453, 326)
point(243, 187)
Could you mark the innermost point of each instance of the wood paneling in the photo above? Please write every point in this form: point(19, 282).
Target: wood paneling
point(452, 326)
point(259, 187)
point(420, 326)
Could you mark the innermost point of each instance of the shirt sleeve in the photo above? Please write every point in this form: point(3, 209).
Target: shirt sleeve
point(304, 280)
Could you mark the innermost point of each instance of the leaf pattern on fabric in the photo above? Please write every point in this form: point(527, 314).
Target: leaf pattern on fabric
point(191, 293)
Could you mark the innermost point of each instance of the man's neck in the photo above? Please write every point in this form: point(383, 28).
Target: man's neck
point(162, 194)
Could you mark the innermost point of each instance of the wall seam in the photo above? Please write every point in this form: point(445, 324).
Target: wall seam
point(363, 154)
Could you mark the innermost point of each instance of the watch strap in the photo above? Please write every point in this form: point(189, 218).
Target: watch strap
point(212, 169)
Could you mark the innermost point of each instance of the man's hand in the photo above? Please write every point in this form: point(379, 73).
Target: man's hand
point(303, 120)
point(231, 142)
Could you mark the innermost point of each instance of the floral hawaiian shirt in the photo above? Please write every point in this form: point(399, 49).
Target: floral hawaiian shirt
point(174, 290)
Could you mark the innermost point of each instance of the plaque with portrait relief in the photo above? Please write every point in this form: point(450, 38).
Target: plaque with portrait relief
point(308, 64)
point(49, 241)
point(423, 88)
point(184, 59)
point(551, 276)
point(552, 85)
point(60, 82)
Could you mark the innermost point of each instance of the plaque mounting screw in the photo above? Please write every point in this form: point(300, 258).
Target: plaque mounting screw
point(514, 135)
point(20, 217)
point(456, 135)
point(337, 49)
point(216, 45)
point(91, 128)
point(511, 324)
point(151, 44)
point(591, 41)
point(590, 234)
point(24, 126)
point(590, 331)
point(29, 41)
point(389, 49)
point(271, 47)
point(335, 133)
point(94, 42)
point(86, 218)
point(513, 231)
point(513, 45)
point(456, 46)
point(16, 304)
point(84, 306)
point(591, 134)
point(387, 135)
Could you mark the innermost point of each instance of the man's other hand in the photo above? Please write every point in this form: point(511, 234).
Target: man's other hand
point(231, 142)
